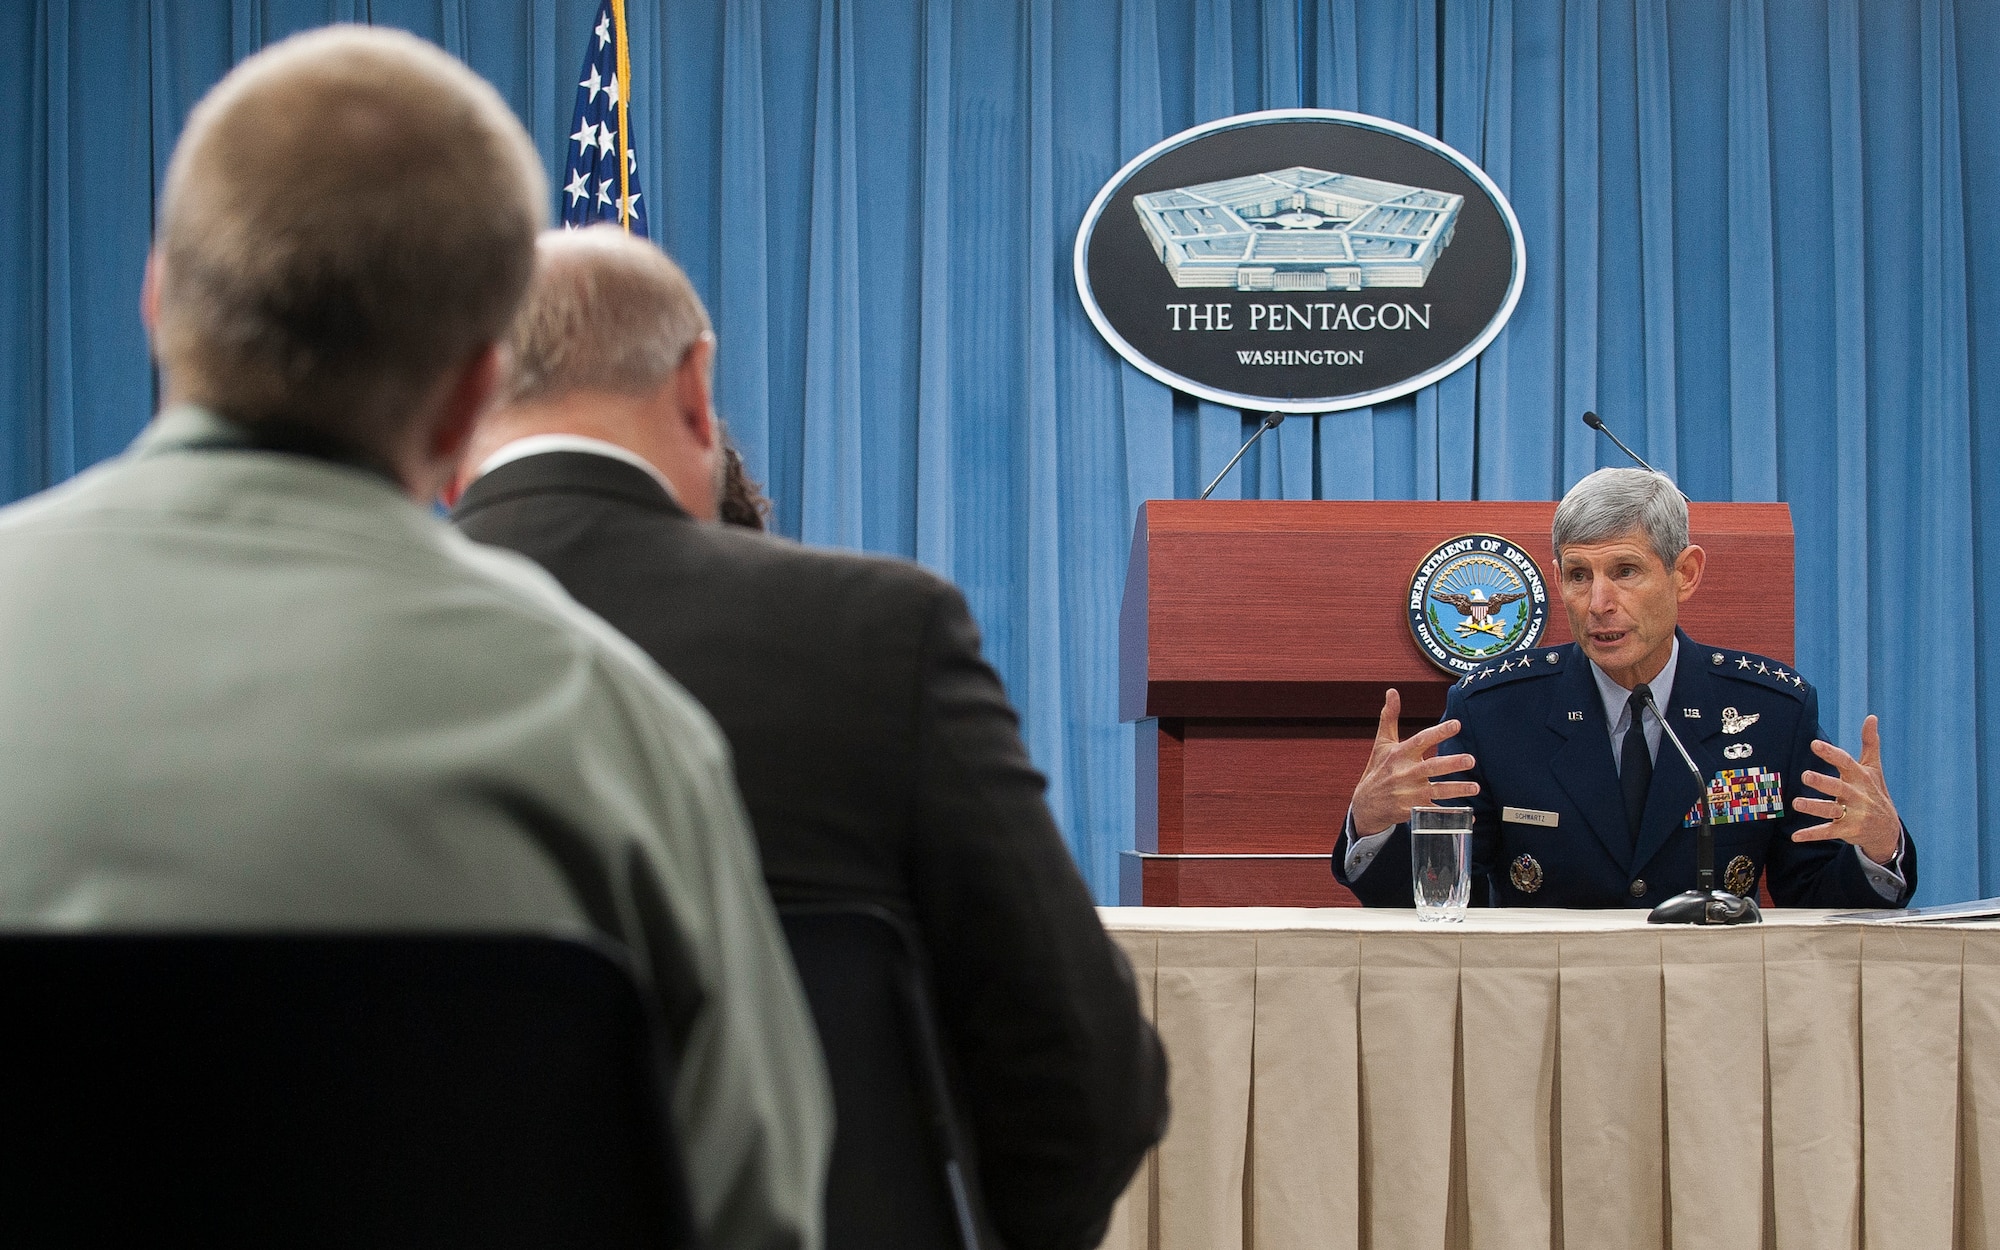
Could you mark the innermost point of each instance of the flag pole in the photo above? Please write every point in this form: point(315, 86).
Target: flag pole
point(624, 128)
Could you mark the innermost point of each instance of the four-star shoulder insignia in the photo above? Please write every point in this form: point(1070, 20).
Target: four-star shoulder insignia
point(1511, 668)
point(1760, 671)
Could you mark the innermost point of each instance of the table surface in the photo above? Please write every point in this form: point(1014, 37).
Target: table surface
point(1477, 920)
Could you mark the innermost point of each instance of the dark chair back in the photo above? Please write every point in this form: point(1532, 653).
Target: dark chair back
point(350, 1090)
point(900, 1178)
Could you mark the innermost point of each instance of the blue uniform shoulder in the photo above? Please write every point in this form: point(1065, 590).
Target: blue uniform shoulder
point(1541, 662)
point(1755, 670)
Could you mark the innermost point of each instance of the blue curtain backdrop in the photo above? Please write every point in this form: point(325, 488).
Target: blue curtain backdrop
point(1747, 227)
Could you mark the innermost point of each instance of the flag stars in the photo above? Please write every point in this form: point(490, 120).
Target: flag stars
point(604, 30)
point(593, 84)
point(578, 189)
point(610, 92)
point(585, 136)
point(604, 196)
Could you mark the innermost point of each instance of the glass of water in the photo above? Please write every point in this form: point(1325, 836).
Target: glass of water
point(1441, 861)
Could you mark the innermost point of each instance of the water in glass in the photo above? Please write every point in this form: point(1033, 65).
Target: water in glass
point(1441, 861)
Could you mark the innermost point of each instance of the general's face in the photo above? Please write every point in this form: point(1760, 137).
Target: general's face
point(1623, 603)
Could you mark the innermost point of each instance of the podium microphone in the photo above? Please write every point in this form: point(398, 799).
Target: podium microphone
point(1271, 422)
point(1596, 422)
point(1704, 904)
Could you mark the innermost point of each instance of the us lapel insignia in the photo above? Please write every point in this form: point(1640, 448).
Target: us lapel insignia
point(1734, 723)
point(1740, 878)
point(1526, 874)
point(1736, 751)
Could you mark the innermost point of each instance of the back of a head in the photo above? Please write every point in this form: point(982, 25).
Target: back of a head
point(605, 312)
point(348, 215)
point(1611, 503)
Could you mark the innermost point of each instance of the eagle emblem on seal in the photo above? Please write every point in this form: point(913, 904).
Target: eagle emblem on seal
point(1478, 608)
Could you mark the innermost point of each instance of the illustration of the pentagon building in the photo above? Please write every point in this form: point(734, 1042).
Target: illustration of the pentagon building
point(1298, 229)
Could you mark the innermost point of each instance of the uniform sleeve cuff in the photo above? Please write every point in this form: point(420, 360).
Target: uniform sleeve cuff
point(1886, 878)
point(1361, 851)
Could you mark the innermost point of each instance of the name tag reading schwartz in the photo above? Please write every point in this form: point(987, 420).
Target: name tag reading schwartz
point(1528, 816)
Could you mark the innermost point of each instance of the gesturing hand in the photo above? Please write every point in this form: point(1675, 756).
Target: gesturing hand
point(1860, 810)
point(1399, 773)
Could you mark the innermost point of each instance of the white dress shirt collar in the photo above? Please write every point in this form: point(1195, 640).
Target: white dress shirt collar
point(538, 444)
point(1617, 700)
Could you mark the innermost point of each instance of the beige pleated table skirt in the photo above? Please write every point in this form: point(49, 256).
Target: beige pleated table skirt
point(1345, 1078)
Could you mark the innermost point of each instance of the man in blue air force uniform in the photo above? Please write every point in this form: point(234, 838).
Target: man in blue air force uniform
point(1579, 800)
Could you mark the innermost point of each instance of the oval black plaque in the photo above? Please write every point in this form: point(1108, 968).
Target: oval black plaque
point(1299, 260)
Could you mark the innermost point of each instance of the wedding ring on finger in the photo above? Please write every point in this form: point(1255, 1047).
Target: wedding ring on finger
point(1843, 811)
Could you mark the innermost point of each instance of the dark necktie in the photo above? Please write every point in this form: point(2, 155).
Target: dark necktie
point(1635, 762)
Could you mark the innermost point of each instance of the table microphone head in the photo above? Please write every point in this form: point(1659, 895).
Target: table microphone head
point(1592, 420)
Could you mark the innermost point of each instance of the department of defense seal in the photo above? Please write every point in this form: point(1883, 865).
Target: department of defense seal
point(1474, 598)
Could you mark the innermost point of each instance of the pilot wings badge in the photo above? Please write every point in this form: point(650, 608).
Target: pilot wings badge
point(1733, 723)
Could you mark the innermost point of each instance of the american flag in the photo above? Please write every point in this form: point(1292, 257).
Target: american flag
point(600, 132)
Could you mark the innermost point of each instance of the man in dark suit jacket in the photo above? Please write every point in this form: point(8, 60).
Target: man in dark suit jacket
point(1578, 799)
point(876, 750)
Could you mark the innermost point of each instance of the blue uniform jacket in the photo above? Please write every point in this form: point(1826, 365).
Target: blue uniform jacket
point(1534, 722)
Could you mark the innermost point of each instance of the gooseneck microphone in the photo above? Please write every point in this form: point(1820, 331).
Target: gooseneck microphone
point(1596, 422)
point(1271, 422)
point(1704, 904)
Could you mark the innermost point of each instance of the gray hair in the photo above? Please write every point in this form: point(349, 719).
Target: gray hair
point(605, 312)
point(1611, 503)
point(349, 214)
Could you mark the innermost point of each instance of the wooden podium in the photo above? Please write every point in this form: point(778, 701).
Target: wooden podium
point(1257, 638)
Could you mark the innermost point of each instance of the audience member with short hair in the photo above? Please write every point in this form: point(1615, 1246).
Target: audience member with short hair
point(251, 680)
point(878, 754)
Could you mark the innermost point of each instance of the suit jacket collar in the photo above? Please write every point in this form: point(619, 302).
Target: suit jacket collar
point(567, 473)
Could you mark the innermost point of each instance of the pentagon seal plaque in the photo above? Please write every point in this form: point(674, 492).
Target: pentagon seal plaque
point(1299, 260)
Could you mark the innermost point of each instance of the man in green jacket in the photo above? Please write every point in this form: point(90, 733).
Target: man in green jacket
point(250, 681)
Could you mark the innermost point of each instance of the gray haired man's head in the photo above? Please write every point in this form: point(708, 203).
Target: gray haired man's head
point(605, 312)
point(612, 343)
point(1611, 503)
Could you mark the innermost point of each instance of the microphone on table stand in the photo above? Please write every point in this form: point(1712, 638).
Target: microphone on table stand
point(1704, 904)
point(1596, 422)
point(1271, 422)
